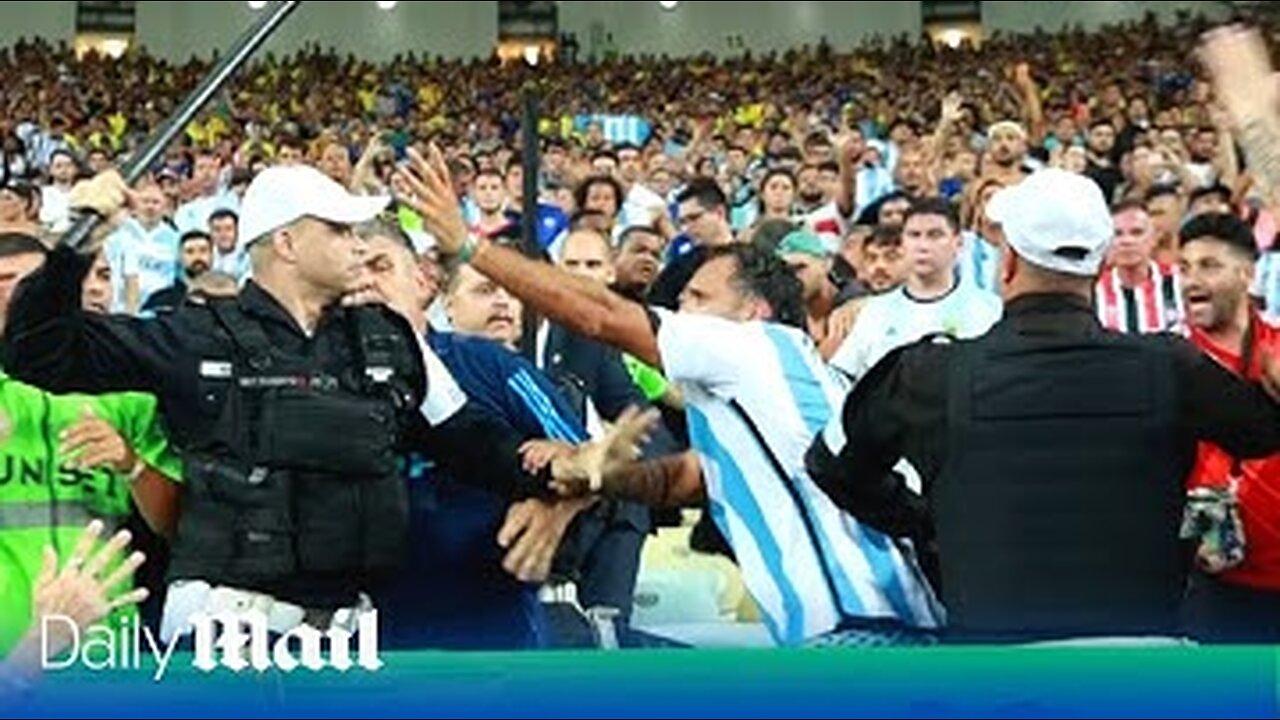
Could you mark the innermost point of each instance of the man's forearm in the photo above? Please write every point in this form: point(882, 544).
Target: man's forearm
point(1260, 138)
point(670, 482)
point(585, 307)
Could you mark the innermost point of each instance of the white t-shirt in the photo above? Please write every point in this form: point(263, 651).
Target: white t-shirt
point(896, 319)
point(757, 395)
point(55, 209)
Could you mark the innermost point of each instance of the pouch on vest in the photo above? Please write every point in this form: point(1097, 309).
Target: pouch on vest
point(249, 506)
point(321, 432)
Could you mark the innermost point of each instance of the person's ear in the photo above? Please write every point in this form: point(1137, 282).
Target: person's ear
point(284, 242)
point(759, 309)
point(1008, 266)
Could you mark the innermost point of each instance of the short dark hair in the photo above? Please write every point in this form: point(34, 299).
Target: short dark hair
point(490, 172)
point(767, 235)
point(777, 172)
point(634, 230)
point(829, 166)
point(1222, 227)
point(1218, 189)
point(584, 189)
point(706, 191)
point(26, 191)
point(763, 275)
point(1160, 191)
point(224, 214)
point(193, 235)
point(13, 244)
point(290, 140)
point(934, 206)
point(623, 147)
point(1099, 122)
point(64, 152)
point(884, 236)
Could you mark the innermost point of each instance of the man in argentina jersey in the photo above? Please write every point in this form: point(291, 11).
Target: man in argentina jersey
point(1135, 294)
point(757, 394)
point(934, 299)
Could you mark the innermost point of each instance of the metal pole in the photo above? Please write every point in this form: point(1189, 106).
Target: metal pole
point(240, 52)
point(529, 211)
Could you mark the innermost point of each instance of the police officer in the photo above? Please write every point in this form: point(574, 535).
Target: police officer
point(1052, 453)
point(292, 410)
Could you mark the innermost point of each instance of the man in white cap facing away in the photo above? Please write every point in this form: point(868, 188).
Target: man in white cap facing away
point(293, 411)
point(1052, 453)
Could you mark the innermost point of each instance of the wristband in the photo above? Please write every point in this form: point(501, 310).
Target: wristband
point(468, 250)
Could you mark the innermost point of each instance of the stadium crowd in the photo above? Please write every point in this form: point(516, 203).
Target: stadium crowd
point(866, 175)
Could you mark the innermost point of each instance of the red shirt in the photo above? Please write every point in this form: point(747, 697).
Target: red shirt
point(1259, 490)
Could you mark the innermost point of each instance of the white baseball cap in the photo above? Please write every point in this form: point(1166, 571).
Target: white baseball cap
point(281, 195)
point(1055, 220)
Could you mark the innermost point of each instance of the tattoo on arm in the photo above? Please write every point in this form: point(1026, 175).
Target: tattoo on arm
point(672, 481)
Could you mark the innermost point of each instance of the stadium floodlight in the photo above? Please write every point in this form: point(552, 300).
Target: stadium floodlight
point(386, 4)
point(257, 4)
point(668, 4)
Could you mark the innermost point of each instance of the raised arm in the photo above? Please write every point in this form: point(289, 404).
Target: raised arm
point(1240, 68)
point(580, 305)
point(51, 342)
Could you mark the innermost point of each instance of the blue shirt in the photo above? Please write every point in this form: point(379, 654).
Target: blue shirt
point(453, 592)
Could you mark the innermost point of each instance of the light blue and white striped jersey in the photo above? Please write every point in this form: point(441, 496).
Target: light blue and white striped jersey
point(889, 321)
point(152, 255)
point(756, 395)
point(979, 262)
point(617, 129)
point(1266, 284)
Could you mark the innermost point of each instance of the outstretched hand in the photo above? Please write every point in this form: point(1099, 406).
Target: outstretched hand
point(585, 470)
point(425, 186)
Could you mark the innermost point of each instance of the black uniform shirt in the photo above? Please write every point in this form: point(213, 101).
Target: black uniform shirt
point(899, 410)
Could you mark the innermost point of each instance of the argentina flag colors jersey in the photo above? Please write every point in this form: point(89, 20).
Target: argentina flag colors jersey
point(756, 395)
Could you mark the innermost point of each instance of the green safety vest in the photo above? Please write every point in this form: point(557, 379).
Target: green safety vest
point(43, 501)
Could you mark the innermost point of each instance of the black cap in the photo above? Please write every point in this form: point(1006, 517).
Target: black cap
point(1221, 227)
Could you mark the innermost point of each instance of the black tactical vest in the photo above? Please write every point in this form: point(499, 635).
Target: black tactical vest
point(301, 473)
point(1058, 507)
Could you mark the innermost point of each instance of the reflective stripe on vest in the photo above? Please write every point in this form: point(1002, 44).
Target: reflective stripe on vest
point(40, 514)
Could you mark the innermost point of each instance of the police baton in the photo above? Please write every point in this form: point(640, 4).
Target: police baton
point(240, 52)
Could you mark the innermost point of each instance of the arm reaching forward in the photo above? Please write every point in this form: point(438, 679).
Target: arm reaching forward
point(580, 305)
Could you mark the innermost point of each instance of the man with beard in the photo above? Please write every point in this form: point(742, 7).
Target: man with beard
point(195, 251)
point(1203, 149)
point(490, 196)
point(1240, 602)
point(811, 193)
point(1101, 167)
point(1006, 152)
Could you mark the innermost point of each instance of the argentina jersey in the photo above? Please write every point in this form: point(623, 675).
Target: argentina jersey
point(756, 395)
